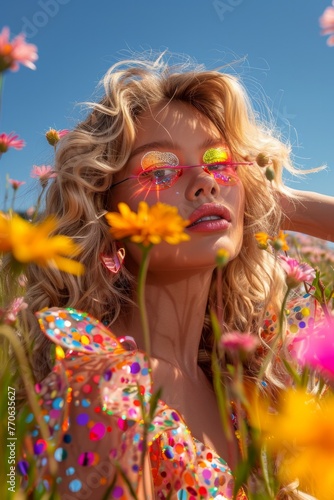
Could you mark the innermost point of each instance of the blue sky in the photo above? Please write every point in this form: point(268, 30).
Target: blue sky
point(285, 64)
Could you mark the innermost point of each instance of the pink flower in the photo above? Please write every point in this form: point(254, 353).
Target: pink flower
point(9, 315)
point(327, 24)
point(239, 342)
point(10, 141)
point(16, 52)
point(315, 348)
point(30, 211)
point(53, 136)
point(43, 173)
point(22, 280)
point(16, 184)
point(296, 272)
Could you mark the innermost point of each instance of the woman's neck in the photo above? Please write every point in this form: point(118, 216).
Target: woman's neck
point(176, 305)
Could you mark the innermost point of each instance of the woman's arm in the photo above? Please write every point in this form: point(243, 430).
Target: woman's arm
point(309, 213)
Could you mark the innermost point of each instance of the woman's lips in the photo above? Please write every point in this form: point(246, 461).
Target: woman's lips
point(210, 217)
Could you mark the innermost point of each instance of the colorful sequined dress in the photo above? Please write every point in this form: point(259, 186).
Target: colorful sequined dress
point(93, 402)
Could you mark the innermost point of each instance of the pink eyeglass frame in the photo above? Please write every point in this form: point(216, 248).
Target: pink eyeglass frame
point(205, 167)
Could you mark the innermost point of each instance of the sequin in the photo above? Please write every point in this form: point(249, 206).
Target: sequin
point(60, 454)
point(23, 467)
point(39, 446)
point(117, 492)
point(135, 367)
point(75, 485)
point(82, 419)
point(29, 418)
point(86, 459)
point(58, 403)
point(97, 432)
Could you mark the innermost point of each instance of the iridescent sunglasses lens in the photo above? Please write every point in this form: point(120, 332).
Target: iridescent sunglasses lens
point(223, 174)
point(159, 179)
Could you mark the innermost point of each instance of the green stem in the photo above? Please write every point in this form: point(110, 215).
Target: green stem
point(219, 295)
point(279, 337)
point(222, 399)
point(8, 333)
point(38, 203)
point(13, 199)
point(147, 341)
point(220, 390)
point(239, 376)
point(265, 471)
point(6, 194)
point(1, 89)
point(281, 315)
point(141, 299)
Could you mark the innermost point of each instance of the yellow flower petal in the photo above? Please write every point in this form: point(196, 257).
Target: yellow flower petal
point(150, 225)
point(302, 433)
point(29, 242)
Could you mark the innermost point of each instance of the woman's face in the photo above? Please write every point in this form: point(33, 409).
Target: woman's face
point(216, 210)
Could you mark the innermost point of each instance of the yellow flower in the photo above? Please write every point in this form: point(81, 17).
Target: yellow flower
point(150, 225)
point(30, 242)
point(279, 242)
point(53, 136)
point(262, 240)
point(302, 433)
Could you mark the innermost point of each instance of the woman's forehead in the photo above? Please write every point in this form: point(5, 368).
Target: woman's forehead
point(172, 125)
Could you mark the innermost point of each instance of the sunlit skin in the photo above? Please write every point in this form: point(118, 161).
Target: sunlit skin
point(179, 276)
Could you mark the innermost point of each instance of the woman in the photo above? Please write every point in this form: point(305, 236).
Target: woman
point(200, 124)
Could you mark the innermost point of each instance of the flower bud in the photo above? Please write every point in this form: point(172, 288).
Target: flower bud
point(270, 173)
point(262, 240)
point(222, 257)
point(262, 160)
point(52, 136)
point(278, 244)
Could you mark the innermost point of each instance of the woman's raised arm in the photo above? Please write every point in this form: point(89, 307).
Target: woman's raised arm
point(308, 212)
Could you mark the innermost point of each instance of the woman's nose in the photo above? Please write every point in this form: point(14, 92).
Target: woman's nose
point(200, 184)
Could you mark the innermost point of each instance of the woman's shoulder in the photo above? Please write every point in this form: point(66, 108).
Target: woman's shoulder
point(80, 332)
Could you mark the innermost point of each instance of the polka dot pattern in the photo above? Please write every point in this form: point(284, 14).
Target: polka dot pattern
point(93, 403)
point(302, 313)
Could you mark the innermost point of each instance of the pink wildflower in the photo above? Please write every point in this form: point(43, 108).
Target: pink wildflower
point(43, 173)
point(327, 24)
point(16, 52)
point(22, 280)
point(10, 141)
point(9, 315)
point(53, 136)
point(16, 184)
point(296, 272)
point(30, 211)
point(315, 348)
point(239, 342)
